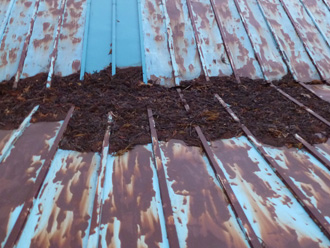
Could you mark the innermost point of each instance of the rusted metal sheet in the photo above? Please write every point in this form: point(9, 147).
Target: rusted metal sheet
point(320, 15)
point(61, 214)
point(156, 44)
point(309, 175)
point(184, 54)
point(41, 44)
point(132, 209)
point(322, 90)
point(19, 170)
point(237, 40)
point(324, 149)
point(202, 216)
point(288, 40)
point(5, 11)
point(274, 213)
point(14, 36)
point(70, 44)
point(263, 43)
point(215, 58)
point(315, 44)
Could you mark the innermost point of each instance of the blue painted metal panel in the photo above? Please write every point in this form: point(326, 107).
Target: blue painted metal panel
point(274, 213)
point(5, 11)
point(185, 58)
point(308, 174)
point(42, 40)
point(132, 207)
point(64, 203)
point(70, 44)
point(270, 59)
point(215, 58)
point(158, 59)
point(99, 49)
point(202, 215)
point(12, 42)
point(237, 40)
point(315, 44)
point(128, 52)
point(289, 42)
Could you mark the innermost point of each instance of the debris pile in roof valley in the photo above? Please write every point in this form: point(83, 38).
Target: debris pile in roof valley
point(271, 117)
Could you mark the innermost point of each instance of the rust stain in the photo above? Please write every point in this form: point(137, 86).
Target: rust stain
point(130, 200)
point(75, 66)
point(19, 170)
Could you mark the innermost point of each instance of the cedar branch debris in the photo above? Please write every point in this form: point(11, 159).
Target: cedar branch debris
point(271, 117)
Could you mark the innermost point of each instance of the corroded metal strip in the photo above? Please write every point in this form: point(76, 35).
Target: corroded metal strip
point(246, 226)
point(302, 105)
point(186, 58)
point(4, 137)
point(314, 45)
point(167, 207)
point(15, 34)
point(209, 39)
point(202, 215)
point(281, 173)
point(156, 43)
point(261, 39)
point(290, 45)
point(61, 214)
point(55, 47)
point(42, 155)
point(237, 39)
point(42, 40)
point(16, 134)
point(132, 207)
point(232, 198)
point(94, 232)
point(320, 16)
point(313, 151)
point(185, 104)
point(26, 44)
point(274, 213)
point(70, 45)
point(198, 41)
point(223, 35)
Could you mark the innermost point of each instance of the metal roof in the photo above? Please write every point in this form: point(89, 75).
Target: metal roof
point(235, 193)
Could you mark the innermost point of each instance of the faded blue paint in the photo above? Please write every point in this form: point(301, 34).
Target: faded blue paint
point(13, 38)
point(5, 12)
point(128, 51)
point(42, 40)
point(215, 58)
point(141, 36)
point(98, 45)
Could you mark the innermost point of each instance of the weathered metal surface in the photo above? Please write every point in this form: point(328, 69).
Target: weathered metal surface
point(185, 57)
point(4, 137)
point(320, 15)
point(155, 43)
point(132, 209)
point(324, 149)
point(262, 41)
point(71, 36)
point(309, 175)
point(237, 40)
point(64, 204)
point(16, 134)
point(41, 44)
point(315, 44)
point(14, 36)
point(202, 215)
point(5, 11)
point(214, 54)
point(274, 213)
point(19, 170)
point(288, 41)
point(321, 90)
